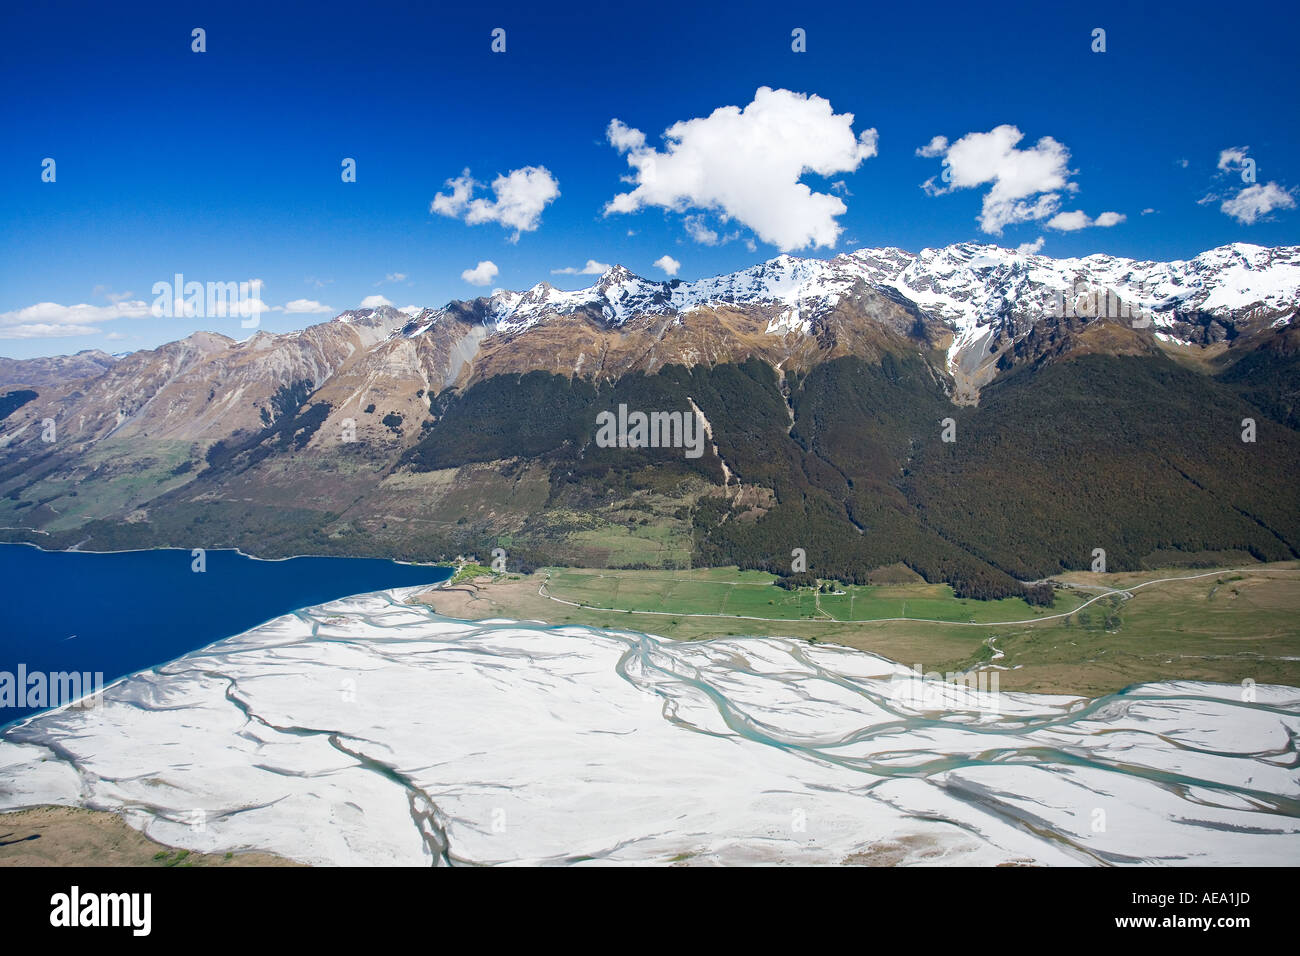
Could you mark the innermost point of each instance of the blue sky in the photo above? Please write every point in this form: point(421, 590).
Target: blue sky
point(225, 165)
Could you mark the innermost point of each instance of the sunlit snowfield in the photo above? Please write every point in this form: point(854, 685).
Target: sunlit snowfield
point(369, 731)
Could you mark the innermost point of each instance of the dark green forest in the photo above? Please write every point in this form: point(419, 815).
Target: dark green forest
point(1132, 455)
point(1136, 456)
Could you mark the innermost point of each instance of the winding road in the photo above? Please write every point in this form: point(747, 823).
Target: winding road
point(1127, 592)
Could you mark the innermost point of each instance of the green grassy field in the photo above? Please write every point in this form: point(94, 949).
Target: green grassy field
point(135, 479)
point(1224, 626)
point(751, 594)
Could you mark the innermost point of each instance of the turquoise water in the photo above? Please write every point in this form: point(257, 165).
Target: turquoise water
point(115, 614)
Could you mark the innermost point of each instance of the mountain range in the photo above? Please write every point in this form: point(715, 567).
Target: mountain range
point(969, 414)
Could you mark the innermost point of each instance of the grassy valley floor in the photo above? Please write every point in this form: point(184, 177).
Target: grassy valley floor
point(1105, 632)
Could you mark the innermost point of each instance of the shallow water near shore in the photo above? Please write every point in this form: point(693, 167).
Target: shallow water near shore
point(372, 731)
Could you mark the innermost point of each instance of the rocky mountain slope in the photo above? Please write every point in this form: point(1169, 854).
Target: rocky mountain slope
point(54, 369)
point(825, 383)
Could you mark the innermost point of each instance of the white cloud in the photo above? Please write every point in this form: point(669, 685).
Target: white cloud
point(746, 164)
point(395, 277)
point(592, 268)
point(697, 230)
point(668, 264)
point(1257, 200)
point(1015, 175)
point(244, 302)
point(1184, 163)
point(305, 307)
point(1078, 219)
point(1148, 211)
point(51, 320)
point(44, 330)
point(1030, 248)
point(110, 295)
point(623, 138)
point(236, 308)
point(521, 195)
point(1233, 156)
point(411, 310)
point(1069, 221)
point(454, 203)
point(373, 302)
point(1253, 200)
point(481, 274)
point(936, 147)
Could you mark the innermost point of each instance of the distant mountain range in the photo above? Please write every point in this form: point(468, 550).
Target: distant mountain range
point(56, 369)
point(1095, 403)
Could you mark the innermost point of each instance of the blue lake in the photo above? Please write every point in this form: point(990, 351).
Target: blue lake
point(124, 612)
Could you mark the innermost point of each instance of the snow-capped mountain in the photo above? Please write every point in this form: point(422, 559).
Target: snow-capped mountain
point(981, 305)
point(972, 289)
point(803, 286)
point(980, 287)
point(824, 383)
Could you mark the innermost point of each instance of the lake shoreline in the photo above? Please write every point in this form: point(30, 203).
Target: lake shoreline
point(190, 603)
point(339, 727)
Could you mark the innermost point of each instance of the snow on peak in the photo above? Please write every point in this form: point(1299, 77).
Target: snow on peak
point(972, 287)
